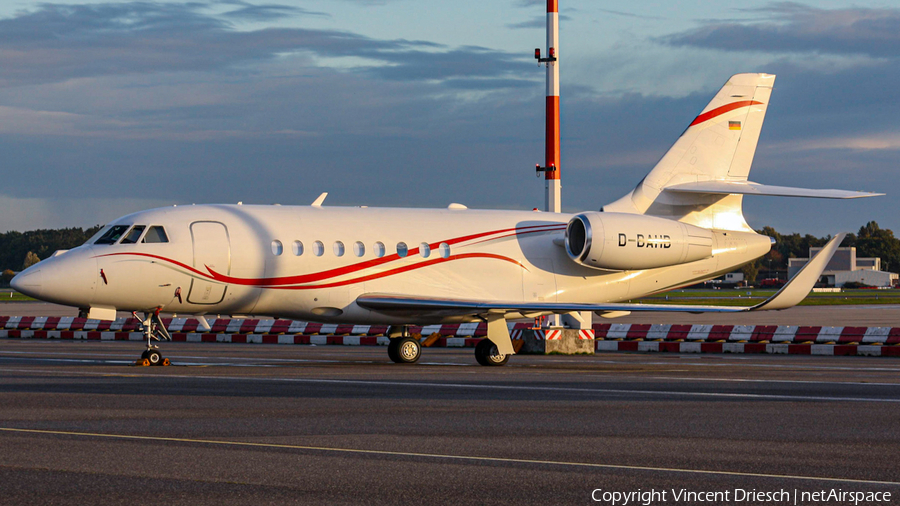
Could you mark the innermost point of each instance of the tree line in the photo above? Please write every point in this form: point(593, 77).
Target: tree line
point(19, 250)
point(870, 241)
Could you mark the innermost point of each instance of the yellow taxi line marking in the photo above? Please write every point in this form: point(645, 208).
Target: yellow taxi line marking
point(504, 460)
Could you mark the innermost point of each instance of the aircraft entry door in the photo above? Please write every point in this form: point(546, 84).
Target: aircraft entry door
point(212, 249)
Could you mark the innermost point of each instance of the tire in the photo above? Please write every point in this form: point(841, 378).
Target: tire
point(404, 350)
point(486, 354)
point(392, 350)
point(154, 357)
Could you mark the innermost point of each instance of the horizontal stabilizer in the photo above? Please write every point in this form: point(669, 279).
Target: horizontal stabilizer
point(751, 188)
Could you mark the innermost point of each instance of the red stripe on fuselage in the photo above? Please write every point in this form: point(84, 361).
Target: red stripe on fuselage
point(349, 269)
point(718, 111)
point(400, 270)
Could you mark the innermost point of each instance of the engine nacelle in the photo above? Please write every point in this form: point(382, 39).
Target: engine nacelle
point(619, 241)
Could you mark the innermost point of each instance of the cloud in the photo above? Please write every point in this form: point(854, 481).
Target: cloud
point(59, 42)
point(36, 213)
point(791, 28)
point(269, 12)
point(370, 2)
point(179, 103)
point(536, 22)
point(628, 14)
point(465, 62)
point(882, 141)
point(19, 121)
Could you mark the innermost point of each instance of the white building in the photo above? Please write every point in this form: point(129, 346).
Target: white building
point(734, 277)
point(845, 267)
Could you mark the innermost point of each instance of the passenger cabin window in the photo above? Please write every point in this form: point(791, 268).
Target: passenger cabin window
point(134, 234)
point(113, 234)
point(445, 250)
point(378, 248)
point(298, 248)
point(359, 249)
point(402, 249)
point(338, 248)
point(277, 248)
point(318, 248)
point(155, 234)
point(425, 250)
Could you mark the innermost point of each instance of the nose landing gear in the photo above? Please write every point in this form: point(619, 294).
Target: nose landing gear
point(154, 330)
point(153, 357)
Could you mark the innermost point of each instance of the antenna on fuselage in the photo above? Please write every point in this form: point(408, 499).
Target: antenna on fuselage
point(319, 200)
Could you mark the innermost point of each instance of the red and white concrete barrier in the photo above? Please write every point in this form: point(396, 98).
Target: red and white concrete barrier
point(785, 339)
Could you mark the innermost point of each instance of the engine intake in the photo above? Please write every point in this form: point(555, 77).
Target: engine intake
point(618, 241)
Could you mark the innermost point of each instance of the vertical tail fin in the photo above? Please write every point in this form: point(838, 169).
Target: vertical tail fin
point(718, 145)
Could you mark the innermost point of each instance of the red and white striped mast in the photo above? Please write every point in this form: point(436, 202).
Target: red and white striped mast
point(550, 169)
point(552, 202)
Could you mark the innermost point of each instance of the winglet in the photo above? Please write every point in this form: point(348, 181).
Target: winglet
point(318, 201)
point(800, 285)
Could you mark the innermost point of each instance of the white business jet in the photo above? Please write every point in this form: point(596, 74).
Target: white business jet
point(681, 224)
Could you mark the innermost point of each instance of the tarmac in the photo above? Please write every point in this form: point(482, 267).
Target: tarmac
point(269, 424)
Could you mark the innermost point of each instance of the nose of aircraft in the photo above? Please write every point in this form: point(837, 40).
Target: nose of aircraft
point(66, 279)
point(29, 281)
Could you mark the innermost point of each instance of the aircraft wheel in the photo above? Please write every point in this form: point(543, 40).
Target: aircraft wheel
point(486, 354)
point(404, 350)
point(392, 349)
point(154, 357)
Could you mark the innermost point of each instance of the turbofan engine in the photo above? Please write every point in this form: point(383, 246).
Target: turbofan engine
point(619, 241)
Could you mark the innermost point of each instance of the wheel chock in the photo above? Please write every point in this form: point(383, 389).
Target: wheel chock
point(430, 340)
point(142, 362)
point(165, 362)
point(518, 344)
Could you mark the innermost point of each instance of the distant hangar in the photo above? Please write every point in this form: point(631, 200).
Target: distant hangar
point(846, 267)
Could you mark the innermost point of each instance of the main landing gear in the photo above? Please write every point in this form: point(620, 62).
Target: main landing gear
point(154, 330)
point(403, 348)
point(493, 351)
point(486, 353)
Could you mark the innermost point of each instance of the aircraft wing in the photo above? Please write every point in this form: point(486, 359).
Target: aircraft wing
point(413, 304)
point(751, 188)
point(792, 293)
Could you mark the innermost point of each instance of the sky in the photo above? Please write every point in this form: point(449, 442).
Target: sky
point(112, 107)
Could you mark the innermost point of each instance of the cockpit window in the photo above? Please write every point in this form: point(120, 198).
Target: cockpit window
point(98, 235)
point(113, 234)
point(134, 234)
point(156, 234)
